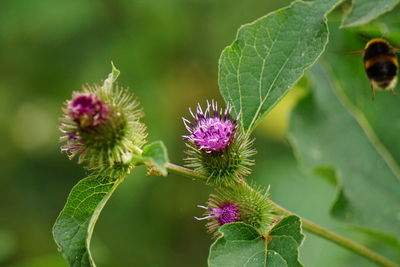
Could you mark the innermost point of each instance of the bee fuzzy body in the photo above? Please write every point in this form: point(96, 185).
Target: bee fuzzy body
point(381, 65)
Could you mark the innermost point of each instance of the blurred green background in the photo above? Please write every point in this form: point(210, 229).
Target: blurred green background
point(167, 52)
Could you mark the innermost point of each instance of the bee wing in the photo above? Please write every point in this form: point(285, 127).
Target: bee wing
point(350, 52)
point(364, 37)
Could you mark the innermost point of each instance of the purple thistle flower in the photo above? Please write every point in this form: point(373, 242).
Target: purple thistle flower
point(87, 110)
point(220, 214)
point(212, 131)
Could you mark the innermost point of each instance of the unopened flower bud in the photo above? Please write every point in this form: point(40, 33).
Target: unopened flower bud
point(239, 203)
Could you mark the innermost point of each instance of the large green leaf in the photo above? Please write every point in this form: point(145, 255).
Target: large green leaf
point(325, 135)
point(363, 11)
point(74, 226)
point(242, 245)
point(270, 55)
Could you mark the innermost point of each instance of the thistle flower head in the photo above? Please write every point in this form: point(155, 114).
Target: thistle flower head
point(220, 214)
point(213, 130)
point(101, 125)
point(226, 214)
point(239, 203)
point(87, 110)
point(218, 149)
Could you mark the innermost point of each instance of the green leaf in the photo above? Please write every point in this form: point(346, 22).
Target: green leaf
point(239, 245)
point(288, 226)
point(242, 245)
point(156, 154)
point(286, 239)
point(112, 77)
point(270, 55)
point(325, 134)
point(364, 11)
point(74, 226)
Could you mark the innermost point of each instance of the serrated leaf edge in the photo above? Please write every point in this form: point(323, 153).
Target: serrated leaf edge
point(256, 120)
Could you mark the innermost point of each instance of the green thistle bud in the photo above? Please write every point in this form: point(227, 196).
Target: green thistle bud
point(101, 126)
point(218, 149)
point(238, 203)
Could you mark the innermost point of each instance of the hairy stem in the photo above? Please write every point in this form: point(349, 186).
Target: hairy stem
point(307, 225)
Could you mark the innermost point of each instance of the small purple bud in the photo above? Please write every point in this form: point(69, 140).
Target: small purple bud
point(212, 130)
point(226, 214)
point(87, 110)
point(220, 214)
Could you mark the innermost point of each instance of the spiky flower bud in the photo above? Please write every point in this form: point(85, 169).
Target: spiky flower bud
point(217, 147)
point(239, 203)
point(101, 125)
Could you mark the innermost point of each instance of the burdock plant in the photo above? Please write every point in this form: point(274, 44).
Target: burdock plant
point(101, 126)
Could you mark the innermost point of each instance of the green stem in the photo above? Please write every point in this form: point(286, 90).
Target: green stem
point(172, 168)
point(307, 225)
point(318, 230)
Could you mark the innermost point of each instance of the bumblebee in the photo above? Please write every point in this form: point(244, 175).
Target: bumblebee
point(381, 65)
